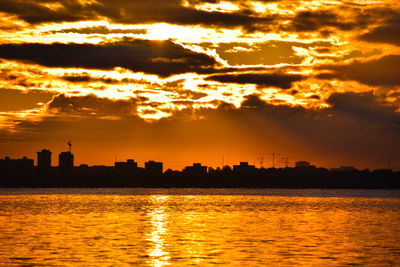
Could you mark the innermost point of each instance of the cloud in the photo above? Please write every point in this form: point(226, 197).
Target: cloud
point(101, 30)
point(129, 12)
point(387, 33)
point(365, 105)
point(18, 100)
point(283, 81)
point(163, 58)
point(91, 105)
point(356, 129)
point(86, 78)
point(37, 11)
point(268, 53)
point(380, 72)
point(310, 21)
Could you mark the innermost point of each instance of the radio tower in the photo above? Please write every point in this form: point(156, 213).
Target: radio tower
point(273, 159)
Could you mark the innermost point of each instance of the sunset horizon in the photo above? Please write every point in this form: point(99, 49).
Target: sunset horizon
point(193, 80)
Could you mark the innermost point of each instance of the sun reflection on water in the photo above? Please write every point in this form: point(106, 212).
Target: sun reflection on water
point(159, 256)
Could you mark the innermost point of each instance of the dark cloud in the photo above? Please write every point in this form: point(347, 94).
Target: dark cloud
point(91, 105)
point(18, 100)
point(387, 33)
point(310, 21)
point(86, 78)
point(131, 12)
point(163, 58)
point(101, 30)
point(365, 105)
point(172, 11)
point(325, 21)
point(36, 11)
point(316, 97)
point(279, 80)
point(380, 72)
point(323, 50)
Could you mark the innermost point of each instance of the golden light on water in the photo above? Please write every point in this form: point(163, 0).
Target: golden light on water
point(159, 220)
point(156, 228)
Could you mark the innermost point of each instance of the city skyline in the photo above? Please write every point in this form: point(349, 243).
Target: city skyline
point(23, 173)
point(44, 159)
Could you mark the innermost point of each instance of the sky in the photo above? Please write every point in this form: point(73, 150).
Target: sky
point(202, 81)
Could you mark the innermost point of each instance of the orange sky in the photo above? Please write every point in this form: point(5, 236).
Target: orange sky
point(190, 81)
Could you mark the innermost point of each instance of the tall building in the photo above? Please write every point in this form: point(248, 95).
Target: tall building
point(44, 161)
point(153, 168)
point(66, 163)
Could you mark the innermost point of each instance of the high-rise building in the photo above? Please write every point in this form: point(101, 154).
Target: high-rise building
point(44, 161)
point(66, 163)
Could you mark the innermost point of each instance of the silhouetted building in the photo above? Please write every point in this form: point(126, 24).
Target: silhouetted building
point(344, 169)
point(8, 166)
point(25, 165)
point(302, 164)
point(44, 161)
point(153, 168)
point(129, 164)
point(22, 166)
point(66, 163)
point(128, 168)
point(196, 169)
point(244, 168)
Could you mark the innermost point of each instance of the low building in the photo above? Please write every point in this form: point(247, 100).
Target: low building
point(244, 168)
point(22, 166)
point(153, 168)
point(302, 164)
point(129, 164)
point(196, 169)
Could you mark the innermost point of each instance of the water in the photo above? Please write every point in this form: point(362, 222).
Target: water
point(178, 227)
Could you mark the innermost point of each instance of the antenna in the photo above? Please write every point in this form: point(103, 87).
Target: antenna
point(261, 161)
point(69, 143)
point(389, 163)
point(223, 161)
point(273, 159)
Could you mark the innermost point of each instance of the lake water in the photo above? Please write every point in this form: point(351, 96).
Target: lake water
point(178, 227)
